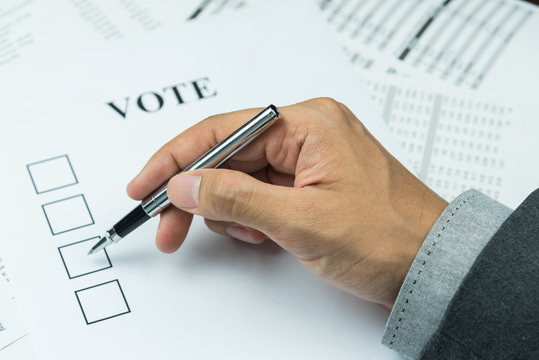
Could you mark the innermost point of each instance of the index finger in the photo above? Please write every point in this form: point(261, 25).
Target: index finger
point(178, 153)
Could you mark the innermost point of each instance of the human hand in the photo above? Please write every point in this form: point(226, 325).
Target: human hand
point(317, 183)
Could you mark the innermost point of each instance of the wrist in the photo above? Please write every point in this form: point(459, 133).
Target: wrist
point(416, 216)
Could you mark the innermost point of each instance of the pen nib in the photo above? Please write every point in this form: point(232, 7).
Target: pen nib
point(101, 244)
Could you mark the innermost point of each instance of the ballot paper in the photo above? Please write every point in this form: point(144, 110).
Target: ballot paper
point(476, 44)
point(31, 28)
point(482, 135)
point(212, 7)
point(521, 175)
point(460, 139)
point(11, 326)
point(455, 140)
point(479, 44)
point(77, 128)
point(3, 271)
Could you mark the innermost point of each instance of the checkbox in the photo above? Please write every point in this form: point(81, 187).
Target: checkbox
point(102, 302)
point(78, 263)
point(52, 174)
point(67, 214)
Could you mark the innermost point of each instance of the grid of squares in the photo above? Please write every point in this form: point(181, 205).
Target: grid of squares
point(52, 174)
point(98, 302)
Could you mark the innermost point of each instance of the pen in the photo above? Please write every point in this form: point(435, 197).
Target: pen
point(158, 200)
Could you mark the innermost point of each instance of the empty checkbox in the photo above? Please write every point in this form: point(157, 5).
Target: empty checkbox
point(52, 174)
point(77, 262)
point(67, 214)
point(102, 302)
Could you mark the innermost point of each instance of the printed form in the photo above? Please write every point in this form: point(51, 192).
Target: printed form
point(479, 136)
point(474, 44)
point(456, 140)
point(31, 28)
point(79, 145)
point(11, 327)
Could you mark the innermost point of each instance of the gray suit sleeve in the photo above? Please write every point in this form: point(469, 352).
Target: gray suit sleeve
point(447, 254)
point(495, 312)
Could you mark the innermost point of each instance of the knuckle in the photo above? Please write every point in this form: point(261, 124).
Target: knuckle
point(326, 105)
point(241, 204)
point(220, 195)
point(328, 112)
point(335, 112)
point(228, 197)
point(211, 119)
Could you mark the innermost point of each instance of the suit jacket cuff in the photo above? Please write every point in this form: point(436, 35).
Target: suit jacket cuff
point(444, 259)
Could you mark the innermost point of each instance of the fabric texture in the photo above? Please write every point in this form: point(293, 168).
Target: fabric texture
point(447, 254)
point(495, 312)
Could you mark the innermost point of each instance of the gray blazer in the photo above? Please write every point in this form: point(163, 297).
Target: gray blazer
point(495, 312)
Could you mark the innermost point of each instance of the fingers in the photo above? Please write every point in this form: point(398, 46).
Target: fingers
point(157, 170)
point(175, 222)
point(236, 197)
point(173, 227)
point(188, 146)
point(233, 196)
point(280, 146)
point(236, 231)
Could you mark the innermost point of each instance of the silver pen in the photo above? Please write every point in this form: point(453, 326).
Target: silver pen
point(158, 200)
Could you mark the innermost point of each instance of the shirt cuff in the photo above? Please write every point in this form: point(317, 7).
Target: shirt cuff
point(442, 262)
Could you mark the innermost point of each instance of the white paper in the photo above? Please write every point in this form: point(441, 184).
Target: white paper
point(205, 8)
point(3, 271)
point(30, 28)
point(487, 46)
point(455, 140)
point(11, 326)
point(477, 44)
point(521, 175)
point(216, 297)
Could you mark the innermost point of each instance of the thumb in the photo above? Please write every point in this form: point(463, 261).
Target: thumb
point(228, 195)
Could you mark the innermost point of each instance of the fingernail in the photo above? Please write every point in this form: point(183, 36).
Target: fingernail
point(183, 190)
point(239, 233)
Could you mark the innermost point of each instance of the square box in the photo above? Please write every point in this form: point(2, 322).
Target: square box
point(67, 214)
point(78, 263)
point(102, 302)
point(52, 174)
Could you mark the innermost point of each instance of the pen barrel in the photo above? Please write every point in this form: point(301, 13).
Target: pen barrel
point(158, 200)
point(131, 221)
point(237, 140)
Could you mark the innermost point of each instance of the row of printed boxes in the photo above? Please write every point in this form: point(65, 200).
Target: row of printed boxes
point(98, 302)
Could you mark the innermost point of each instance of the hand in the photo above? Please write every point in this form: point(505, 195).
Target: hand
point(317, 183)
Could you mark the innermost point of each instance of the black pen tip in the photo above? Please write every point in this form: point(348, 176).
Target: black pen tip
point(101, 244)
